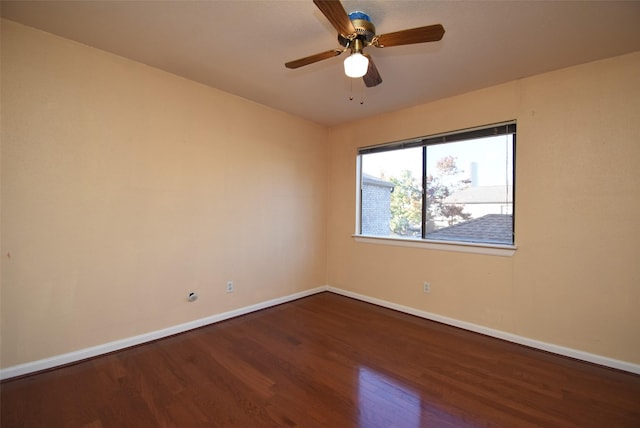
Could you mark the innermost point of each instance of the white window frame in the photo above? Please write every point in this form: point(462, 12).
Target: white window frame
point(505, 250)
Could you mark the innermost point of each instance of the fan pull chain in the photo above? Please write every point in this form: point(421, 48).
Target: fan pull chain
point(351, 92)
point(350, 89)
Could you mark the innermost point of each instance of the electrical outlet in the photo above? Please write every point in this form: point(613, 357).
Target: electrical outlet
point(426, 287)
point(229, 286)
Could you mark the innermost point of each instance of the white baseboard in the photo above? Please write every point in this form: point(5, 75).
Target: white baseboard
point(94, 351)
point(549, 347)
point(71, 357)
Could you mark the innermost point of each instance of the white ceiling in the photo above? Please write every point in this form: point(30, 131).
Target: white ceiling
point(241, 46)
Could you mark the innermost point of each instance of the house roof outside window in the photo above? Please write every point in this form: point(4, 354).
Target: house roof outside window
point(375, 181)
point(491, 228)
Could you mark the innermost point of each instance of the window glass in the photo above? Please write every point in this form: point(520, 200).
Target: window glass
point(391, 193)
point(457, 188)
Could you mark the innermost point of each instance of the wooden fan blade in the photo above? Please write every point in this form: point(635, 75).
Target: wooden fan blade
point(430, 33)
point(372, 78)
point(313, 58)
point(337, 16)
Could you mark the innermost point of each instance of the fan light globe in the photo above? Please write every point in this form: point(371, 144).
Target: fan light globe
point(356, 65)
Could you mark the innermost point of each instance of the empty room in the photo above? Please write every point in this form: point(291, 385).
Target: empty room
point(358, 213)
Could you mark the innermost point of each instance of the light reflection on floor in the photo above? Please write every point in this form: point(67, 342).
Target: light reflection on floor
point(385, 402)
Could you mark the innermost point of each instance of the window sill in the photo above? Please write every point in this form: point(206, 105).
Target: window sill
point(461, 247)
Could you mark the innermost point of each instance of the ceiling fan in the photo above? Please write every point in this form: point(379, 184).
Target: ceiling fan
point(356, 32)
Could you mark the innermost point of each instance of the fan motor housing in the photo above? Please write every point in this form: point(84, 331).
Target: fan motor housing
point(365, 30)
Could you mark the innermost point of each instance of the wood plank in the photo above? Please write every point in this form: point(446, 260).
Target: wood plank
point(325, 360)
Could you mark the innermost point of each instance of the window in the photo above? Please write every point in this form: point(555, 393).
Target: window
point(456, 187)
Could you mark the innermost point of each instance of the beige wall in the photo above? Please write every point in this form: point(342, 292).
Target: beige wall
point(124, 188)
point(575, 279)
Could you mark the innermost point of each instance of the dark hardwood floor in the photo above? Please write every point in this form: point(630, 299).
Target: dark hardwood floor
point(325, 361)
